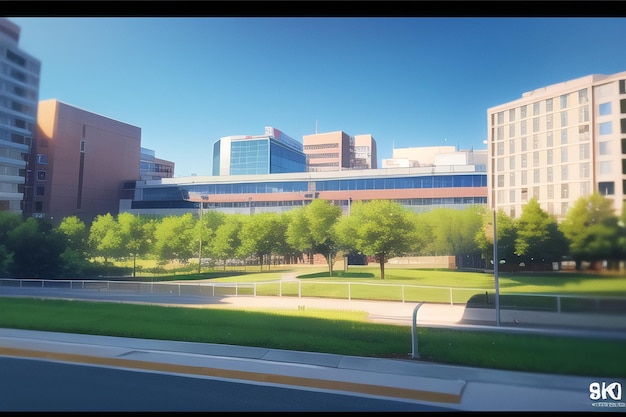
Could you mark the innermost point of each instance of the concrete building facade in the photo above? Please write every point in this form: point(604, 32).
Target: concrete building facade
point(559, 143)
point(336, 151)
point(84, 163)
point(19, 94)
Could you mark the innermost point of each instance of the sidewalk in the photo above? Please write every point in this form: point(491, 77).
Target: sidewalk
point(452, 387)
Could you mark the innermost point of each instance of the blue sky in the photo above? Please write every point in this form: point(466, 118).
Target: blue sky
point(419, 81)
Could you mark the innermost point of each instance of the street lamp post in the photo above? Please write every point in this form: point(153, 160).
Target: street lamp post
point(201, 208)
point(496, 263)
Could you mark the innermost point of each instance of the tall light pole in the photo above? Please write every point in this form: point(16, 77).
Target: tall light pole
point(201, 229)
point(496, 263)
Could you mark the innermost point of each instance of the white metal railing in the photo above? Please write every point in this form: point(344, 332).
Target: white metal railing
point(213, 289)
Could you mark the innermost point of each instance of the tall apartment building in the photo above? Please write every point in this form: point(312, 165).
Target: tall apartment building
point(84, 163)
point(19, 93)
point(335, 151)
point(559, 143)
point(270, 153)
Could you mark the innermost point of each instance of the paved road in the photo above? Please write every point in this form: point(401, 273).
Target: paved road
point(462, 388)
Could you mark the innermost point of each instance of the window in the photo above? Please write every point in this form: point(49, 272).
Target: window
point(548, 121)
point(500, 180)
point(584, 189)
point(584, 170)
point(564, 173)
point(563, 155)
point(536, 124)
point(564, 190)
point(563, 118)
point(523, 111)
point(524, 144)
point(549, 139)
point(500, 133)
point(82, 146)
point(583, 114)
point(549, 174)
point(606, 128)
point(38, 206)
point(605, 168)
point(512, 130)
point(536, 192)
point(584, 151)
point(536, 108)
point(512, 179)
point(550, 191)
point(500, 117)
point(536, 158)
point(604, 109)
point(523, 160)
point(522, 127)
point(563, 136)
point(583, 133)
point(524, 180)
point(500, 164)
point(535, 142)
point(41, 175)
point(511, 162)
point(512, 146)
point(606, 188)
point(549, 157)
point(512, 196)
point(500, 148)
point(524, 194)
point(622, 106)
point(536, 176)
point(42, 159)
point(41, 190)
point(549, 104)
point(582, 96)
point(512, 115)
point(564, 101)
point(604, 148)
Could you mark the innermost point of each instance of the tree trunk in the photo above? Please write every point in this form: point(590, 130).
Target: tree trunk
point(381, 260)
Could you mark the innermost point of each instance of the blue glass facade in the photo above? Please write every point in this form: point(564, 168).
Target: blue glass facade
point(249, 157)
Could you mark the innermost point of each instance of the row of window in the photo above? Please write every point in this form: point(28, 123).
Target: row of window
point(451, 201)
point(544, 106)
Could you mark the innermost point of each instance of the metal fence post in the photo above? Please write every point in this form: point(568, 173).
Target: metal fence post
point(414, 353)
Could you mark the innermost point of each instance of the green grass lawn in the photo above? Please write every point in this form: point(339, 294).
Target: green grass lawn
point(339, 332)
point(349, 333)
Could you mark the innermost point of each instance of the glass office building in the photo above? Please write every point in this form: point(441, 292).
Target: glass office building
point(419, 189)
point(271, 153)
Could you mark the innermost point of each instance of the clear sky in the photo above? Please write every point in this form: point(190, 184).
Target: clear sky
point(409, 82)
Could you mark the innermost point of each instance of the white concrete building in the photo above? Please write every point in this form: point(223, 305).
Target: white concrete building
point(559, 143)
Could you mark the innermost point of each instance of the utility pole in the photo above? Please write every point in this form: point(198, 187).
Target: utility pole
point(496, 263)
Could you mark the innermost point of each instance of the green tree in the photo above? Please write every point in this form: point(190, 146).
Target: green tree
point(174, 238)
point(261, 235)
point(226, 242)
point(75, 257)
point(104, 238)
point(591, 227)
point(205, 229)
point(539, 240)
point(506, 234)
point(312, 229)
point(135, 235)
point(36, 248)
point(379, 228)
point(8, 222)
